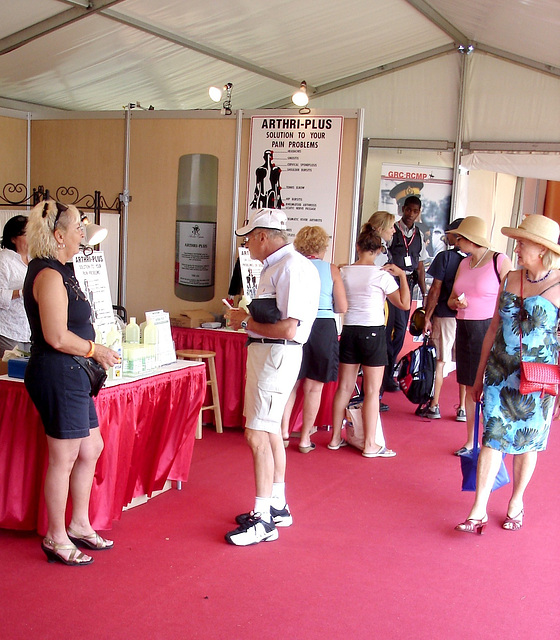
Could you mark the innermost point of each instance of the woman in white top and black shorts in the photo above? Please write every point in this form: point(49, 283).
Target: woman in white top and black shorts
point(362, 342)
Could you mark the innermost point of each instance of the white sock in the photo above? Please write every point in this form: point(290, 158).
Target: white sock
point(262, 506)
point(278, 495)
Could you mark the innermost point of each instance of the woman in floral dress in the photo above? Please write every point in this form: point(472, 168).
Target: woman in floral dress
point(514, 423)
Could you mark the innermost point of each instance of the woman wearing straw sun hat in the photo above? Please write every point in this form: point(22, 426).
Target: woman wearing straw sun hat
point(515, 423)
point(474, 294)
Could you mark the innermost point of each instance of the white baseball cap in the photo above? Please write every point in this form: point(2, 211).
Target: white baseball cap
point(264, 219)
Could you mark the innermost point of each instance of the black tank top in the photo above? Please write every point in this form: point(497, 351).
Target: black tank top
point(79, 310)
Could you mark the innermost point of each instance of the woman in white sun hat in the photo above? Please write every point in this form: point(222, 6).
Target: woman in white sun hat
point(515, 423)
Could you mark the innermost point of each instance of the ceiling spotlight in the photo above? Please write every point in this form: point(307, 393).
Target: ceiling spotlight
point(300, 98)
point(216, 94)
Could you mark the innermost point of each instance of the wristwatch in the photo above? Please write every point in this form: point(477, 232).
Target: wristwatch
point(244, 323)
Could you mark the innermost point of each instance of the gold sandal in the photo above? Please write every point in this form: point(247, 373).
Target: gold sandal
point(75, 559)
point(92, 541)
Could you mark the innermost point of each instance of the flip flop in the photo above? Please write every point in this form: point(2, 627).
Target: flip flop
point(382, 453)
point(307, 449)
point(338, 446)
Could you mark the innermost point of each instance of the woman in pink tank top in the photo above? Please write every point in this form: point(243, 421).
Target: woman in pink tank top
point(474, 294)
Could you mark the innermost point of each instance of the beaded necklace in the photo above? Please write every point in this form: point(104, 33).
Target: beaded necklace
point(535, 281)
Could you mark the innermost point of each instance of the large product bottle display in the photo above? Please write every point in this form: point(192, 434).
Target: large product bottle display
point(195, 254)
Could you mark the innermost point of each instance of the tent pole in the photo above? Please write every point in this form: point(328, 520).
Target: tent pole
point(359, 167)
point(125, 199)
point(235, 208)
point(465, 56)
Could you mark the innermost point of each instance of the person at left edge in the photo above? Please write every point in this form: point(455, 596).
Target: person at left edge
point(274, 355)
point(60, 320)
point(14, 328)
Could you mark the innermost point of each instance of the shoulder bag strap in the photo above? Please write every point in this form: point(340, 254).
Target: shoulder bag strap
point(476, 422)
point(496, 271)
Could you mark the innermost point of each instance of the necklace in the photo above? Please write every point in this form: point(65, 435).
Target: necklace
point(481, 259)
point(535, 281)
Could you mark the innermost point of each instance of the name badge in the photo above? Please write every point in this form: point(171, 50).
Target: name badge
point(407, 261)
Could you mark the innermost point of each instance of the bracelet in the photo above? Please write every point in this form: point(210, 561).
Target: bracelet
point(91, 351)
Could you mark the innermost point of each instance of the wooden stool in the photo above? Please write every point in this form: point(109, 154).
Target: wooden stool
point(208, 356)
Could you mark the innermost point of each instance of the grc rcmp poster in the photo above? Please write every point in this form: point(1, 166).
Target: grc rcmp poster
point(432, 185)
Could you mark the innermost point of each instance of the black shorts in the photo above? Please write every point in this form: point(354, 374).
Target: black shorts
point(363, 345)
point(59, 388)
point(320, 352)
point(468, 347)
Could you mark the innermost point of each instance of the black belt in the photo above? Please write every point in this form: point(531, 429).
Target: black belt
point(272, 341)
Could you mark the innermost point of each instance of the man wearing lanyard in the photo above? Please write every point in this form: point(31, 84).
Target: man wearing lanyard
point(407, 251)
point(281, 318)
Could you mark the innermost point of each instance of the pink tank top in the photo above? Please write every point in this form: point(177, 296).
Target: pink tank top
point(480, 286)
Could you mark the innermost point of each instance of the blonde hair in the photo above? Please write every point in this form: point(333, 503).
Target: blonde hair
point(550, 259)
point(382, 220)
point(311, 241)
point(41, 226)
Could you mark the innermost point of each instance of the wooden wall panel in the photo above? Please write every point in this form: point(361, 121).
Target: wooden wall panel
point(85, 154)
point(13, 151)
point(156, 146)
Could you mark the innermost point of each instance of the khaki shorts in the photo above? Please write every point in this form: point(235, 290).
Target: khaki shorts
point(443, 337)
point(272, 371)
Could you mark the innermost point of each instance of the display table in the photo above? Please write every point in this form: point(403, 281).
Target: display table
point(231, 356)
point(148, 425)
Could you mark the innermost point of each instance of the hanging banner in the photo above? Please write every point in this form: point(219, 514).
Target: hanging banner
point(432, 185)
point(91, 273)
point(294, 165)
point(250, 273)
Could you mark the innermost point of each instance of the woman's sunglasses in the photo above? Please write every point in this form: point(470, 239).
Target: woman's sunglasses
point(60, 208)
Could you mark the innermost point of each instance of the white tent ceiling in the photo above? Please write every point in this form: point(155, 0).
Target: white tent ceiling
point(398, 59)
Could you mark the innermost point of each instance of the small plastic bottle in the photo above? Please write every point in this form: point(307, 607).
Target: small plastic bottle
point(132, 332)
point(114, 341)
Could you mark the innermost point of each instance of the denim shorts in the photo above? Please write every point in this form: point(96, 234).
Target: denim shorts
point(59, 388)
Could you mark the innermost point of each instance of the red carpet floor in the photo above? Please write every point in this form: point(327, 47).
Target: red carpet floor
point(372, 552)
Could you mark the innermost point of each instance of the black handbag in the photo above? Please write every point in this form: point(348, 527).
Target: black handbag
point(95, 372)
point(264, 310)
point(535, 377)
point(469, 463)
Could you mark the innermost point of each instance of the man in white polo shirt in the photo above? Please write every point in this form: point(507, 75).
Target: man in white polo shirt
point(279, 324)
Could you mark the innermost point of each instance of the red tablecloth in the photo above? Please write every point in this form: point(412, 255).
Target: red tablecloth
point(231, 357)
point(148, 427)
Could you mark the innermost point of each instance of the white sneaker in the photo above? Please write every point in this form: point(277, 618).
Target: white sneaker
point(252, 531)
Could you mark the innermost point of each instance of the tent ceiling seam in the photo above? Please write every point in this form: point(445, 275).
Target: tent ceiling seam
point(549, 69)
point(151, 29)
point(58, 21)
point(439, 21)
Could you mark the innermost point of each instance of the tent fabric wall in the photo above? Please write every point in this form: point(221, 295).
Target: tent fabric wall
point(508, 102)
point(419, 102)
point(526, 165)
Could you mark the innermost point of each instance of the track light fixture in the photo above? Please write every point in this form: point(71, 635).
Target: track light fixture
point(94, 234)
point(300, 97)
point(216, 94)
